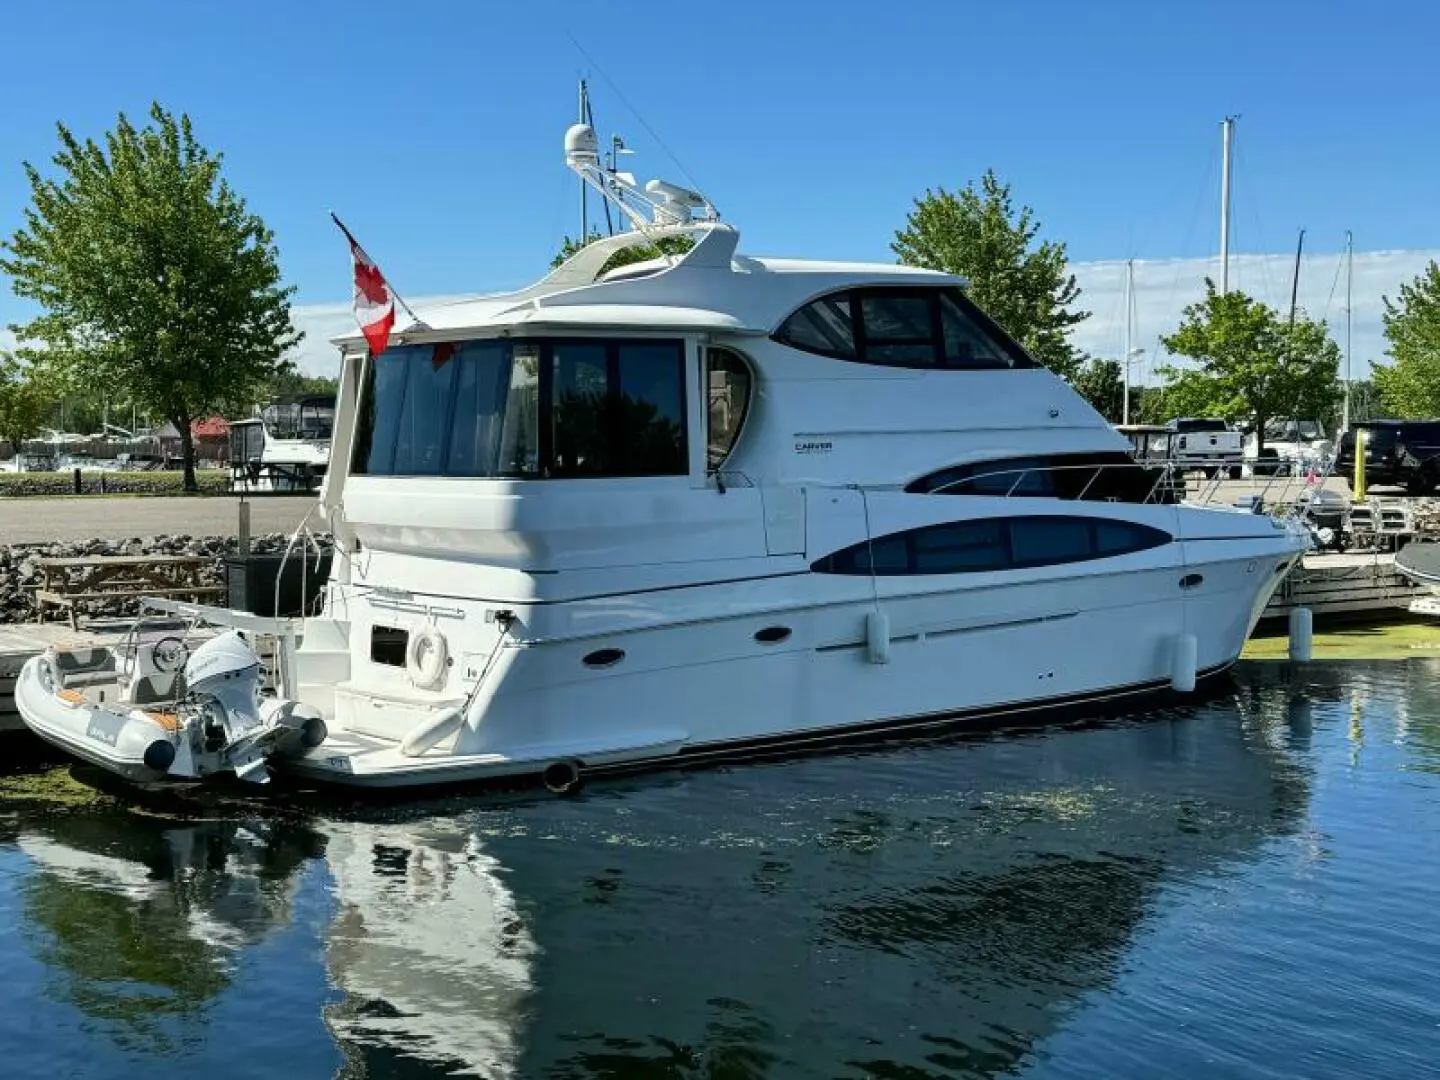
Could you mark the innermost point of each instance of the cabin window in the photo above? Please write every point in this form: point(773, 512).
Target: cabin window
point(529, 409)
point(1104, 476)
point(727, 403)
point(992, 544)
point(902, 326)
point(619, 409)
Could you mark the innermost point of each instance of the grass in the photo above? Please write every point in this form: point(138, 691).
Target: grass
point(1389, 641)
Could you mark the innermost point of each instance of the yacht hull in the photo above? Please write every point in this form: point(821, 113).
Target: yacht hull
point(782, 677)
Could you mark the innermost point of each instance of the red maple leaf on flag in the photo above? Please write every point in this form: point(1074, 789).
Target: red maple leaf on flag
point(370, 283)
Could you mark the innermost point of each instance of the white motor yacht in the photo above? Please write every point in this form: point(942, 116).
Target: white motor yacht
point(709, 504)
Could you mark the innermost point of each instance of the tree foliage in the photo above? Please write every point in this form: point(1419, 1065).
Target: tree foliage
point(1022, 285)
point(154, 278)
point(25, 402)
point(293, 382)
point(1099, 382)
point(1250, 364)
point(666, 245)
point(1410, 386)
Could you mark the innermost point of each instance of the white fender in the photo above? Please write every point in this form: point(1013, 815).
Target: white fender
point(425, 656)
point(1183, 661)
point(431, 730)
point(877, 637)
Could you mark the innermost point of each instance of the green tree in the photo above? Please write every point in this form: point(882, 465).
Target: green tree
point(1099, 382)
point(1250, 364)
point(1022, 285)
point(666, 245)
point(25, 402)
point(152, 275)
point(1410, 386)
point(292, 382)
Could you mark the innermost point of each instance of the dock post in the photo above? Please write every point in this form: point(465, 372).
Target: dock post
point(1358, 485)
point(1302, 635)
point(244, 529)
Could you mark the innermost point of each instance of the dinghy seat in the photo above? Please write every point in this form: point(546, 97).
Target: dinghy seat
point(86, 667)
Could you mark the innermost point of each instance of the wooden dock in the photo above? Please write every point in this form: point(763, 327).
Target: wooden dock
point(1353, 586)
point(20, 641)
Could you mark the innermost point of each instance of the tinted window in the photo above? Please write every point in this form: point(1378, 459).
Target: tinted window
point(823, 326)
point(619, 409)
point(727, 402)
point(1042, 541)
point(1011, 476)
point(992, 544)
point(902, 327)
point(1420, 434)
point(1201, 425)
point(563, 408)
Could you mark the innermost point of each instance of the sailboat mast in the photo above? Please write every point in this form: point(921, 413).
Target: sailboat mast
point(1295, 279)
point(1227, 130)
point(584, 191)
point(1349, 281)
point(1125, 348)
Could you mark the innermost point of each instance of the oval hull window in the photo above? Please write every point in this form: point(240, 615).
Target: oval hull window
point(603, 658)
point(772, 635)
point(1190, 581)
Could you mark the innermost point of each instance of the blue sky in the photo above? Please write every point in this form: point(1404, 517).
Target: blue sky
point(435, 129)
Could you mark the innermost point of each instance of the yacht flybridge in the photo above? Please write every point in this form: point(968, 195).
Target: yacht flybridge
point(649, 511)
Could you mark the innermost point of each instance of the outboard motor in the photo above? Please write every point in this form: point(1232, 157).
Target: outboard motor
point(234, 720)
point(223, 676)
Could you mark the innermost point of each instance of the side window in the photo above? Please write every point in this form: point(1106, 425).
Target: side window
point(967, 344)
point(580, 413)
point(1045, 541)
point(898, 329)
point(992, 544)
point(650, 403)
point(618, 409)
point(727, 403)
point(823, 326)
point(902, 326)
point(1012, 476)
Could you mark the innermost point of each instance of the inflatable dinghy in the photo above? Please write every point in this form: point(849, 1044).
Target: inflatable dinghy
point(164, 706)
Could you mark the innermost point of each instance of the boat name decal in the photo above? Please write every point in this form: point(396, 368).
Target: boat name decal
point(105, 728)
point(813, 446)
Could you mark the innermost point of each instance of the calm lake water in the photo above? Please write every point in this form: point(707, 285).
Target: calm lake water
point(1248, 888)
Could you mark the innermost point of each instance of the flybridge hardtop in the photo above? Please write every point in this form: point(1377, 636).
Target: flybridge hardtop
point(708, 287)
point(705, 505)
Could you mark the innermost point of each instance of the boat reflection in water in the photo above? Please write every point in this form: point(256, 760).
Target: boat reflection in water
point(921, 910)
point(428, 949)
point(141, 922)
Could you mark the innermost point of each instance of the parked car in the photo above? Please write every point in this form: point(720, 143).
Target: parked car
point(1206, 443)
point(1405, 453)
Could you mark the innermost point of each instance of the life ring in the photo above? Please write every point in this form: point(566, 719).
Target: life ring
point(426, 656)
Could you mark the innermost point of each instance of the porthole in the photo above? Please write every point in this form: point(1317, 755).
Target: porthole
point(772, 635)
point(1190, 581)
point(603, 658)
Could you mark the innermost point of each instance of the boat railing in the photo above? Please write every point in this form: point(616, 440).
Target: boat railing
point(1279, 494)
point(1168, 478)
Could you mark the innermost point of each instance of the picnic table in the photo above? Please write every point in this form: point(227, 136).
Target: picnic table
point(74, 580)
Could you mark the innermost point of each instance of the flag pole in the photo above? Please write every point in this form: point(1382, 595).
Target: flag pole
point(393, 291)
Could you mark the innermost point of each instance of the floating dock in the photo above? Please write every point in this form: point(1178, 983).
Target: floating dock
point(20, 641)
point(1349, 586)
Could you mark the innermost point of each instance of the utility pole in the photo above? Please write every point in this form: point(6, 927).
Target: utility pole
point(1227, 129)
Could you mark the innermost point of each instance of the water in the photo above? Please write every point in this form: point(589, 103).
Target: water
point(1246, 888)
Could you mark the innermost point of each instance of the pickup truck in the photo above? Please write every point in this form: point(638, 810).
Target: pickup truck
point(1204, 443)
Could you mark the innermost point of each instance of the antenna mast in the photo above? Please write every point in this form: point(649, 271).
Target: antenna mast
point(1349, 280)
point(584, 118)
point(1227, 129)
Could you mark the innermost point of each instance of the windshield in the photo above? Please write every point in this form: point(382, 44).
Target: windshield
point(1294, 430)
point(543, 408)
point(312, 418)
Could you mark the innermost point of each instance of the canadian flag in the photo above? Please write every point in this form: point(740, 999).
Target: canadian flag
point(374, 301)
